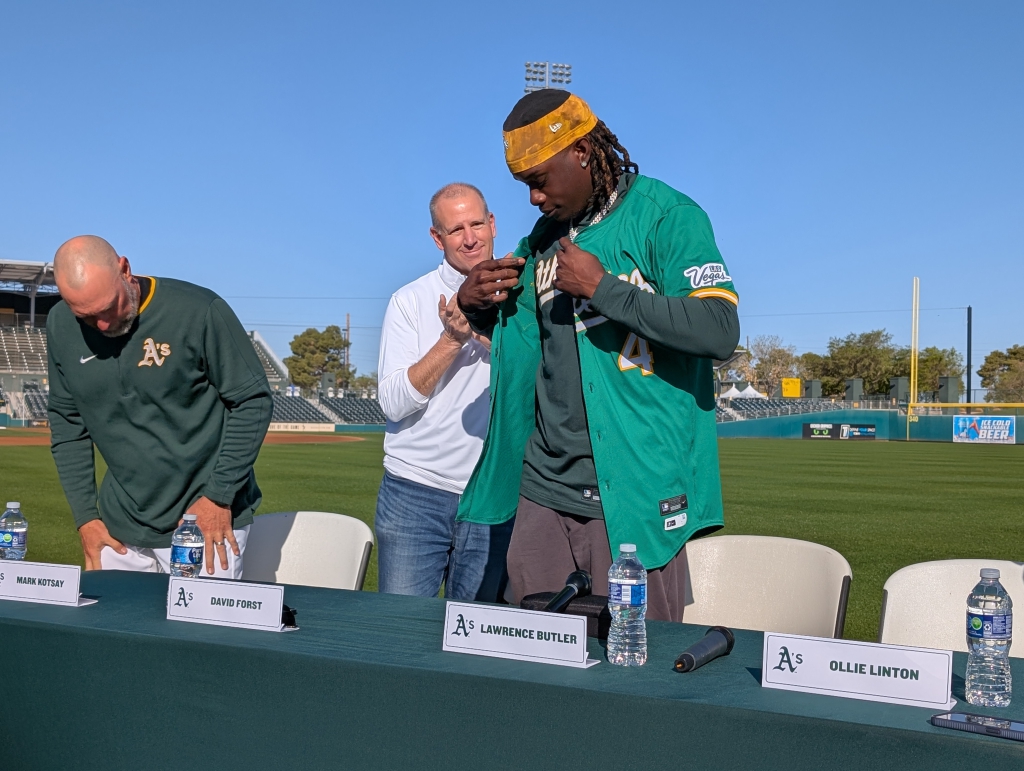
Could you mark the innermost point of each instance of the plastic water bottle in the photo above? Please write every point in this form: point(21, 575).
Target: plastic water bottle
point(13, 533)
point(187, 548)
point(989, 634)
point(627, 603)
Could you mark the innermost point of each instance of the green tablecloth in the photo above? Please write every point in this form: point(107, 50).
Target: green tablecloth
point(364, 684)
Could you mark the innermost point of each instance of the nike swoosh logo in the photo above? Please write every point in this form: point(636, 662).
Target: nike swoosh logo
point(83, 360)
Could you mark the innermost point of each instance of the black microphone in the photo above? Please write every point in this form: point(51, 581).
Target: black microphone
point(576, 585)
point(717, 642)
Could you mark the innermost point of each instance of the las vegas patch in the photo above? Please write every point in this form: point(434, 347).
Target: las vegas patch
point(708, 274)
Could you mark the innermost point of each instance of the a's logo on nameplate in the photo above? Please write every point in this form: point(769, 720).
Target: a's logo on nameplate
point(225, 603)
point(513, 633)
point(41, 582)
point(898, 674)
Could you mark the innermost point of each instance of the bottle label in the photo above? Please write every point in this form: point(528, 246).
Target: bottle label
point(627, 594)
point(984, 627)
point(10, 539)
point(186, 555)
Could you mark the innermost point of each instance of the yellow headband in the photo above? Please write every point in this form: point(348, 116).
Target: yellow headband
point(531, 145)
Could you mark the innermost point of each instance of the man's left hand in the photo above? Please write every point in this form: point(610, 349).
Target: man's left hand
point(215, 522)
point(578, 272)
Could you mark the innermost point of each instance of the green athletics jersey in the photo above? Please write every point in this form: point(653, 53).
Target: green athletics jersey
point(178, 407)
point(645, 341)
point(558, 466)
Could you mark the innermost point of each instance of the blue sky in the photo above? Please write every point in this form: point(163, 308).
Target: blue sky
point(288, 150)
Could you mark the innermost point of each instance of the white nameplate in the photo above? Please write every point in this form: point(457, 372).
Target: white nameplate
point(919, 677)
point(513, 633)
point(225, 603)
point(41, 582)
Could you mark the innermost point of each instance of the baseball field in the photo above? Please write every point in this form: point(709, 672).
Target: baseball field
point(882, 505)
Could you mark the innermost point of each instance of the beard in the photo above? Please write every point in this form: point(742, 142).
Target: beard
point(125, 326)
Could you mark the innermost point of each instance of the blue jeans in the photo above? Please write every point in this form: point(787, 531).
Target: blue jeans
point(420, 545)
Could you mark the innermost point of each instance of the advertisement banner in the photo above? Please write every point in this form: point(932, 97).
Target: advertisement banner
point(791, 388)
point(981, 429)
point(839, 431)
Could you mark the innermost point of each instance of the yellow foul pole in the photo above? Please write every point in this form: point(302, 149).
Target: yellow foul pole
point(915, 308)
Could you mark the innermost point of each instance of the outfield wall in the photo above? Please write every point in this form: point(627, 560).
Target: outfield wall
point(792, 426)
point(889, 425)
point(9, 422)
point(328, 428)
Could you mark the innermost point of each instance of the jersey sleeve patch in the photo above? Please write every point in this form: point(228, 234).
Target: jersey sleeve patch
point(717, 291)
point(708, 274)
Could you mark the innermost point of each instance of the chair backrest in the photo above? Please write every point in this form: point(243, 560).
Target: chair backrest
point(766, 583)
point(308, 548)
point(926, 604)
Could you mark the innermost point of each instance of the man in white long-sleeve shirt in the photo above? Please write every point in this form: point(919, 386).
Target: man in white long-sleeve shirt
point(434, 375)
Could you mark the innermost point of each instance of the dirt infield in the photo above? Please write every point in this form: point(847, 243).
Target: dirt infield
point(25, 437)
point(40, 437)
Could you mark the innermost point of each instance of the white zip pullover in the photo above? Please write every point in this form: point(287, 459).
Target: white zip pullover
point(434, 440)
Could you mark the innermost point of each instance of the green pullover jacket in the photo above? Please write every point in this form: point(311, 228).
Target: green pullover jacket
point(178, 407)
point(645, 342)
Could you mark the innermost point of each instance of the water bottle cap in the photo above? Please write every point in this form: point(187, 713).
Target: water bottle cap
point(13, 505)
point(989, 573)
point(627, 547)
point(189, 517)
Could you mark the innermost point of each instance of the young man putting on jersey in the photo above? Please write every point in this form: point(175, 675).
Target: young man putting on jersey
point(605, 321)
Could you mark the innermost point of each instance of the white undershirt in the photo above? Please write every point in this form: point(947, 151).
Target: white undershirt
point(434, 440)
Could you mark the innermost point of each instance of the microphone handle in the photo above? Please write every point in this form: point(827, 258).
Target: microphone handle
point(711, 646)
point(560, 601)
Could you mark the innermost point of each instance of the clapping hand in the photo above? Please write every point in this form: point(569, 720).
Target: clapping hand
point(456, 326)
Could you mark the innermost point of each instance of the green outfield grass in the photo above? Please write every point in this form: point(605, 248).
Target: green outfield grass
point(882, 505)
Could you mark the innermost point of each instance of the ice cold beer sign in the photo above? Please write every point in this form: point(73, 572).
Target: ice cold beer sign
point(977, 429)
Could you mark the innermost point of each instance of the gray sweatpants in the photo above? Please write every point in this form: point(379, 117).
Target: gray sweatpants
point(547, 545)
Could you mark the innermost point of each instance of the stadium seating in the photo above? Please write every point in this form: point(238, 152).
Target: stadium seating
point(274, 369)
point(268, 368)
point(768, 405)
point(924, 604)
point(35, 401)
point(295, 409)
point(747, 409)
point(308, 548)
point(23, 350)
point(768, 584)
point(352, 409)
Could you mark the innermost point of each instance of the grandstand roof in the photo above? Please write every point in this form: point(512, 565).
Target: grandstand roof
point(26, 274)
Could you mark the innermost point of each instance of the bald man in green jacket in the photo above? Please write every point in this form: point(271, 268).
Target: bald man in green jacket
point(160, 376)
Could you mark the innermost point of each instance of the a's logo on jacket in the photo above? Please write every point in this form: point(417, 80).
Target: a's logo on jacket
point(154, 353)
point(545, 280)
point(709, 274)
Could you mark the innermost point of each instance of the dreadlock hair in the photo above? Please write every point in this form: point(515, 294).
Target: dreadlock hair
point(608, 162)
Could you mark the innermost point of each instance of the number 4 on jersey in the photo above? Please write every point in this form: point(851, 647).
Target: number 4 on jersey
point(636, 353)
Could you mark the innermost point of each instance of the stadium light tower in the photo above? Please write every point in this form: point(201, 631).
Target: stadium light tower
point(546, 75)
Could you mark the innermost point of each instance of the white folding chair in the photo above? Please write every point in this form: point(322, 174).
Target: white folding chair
point(308, 548)
point(925, 605)
point(766, 583)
